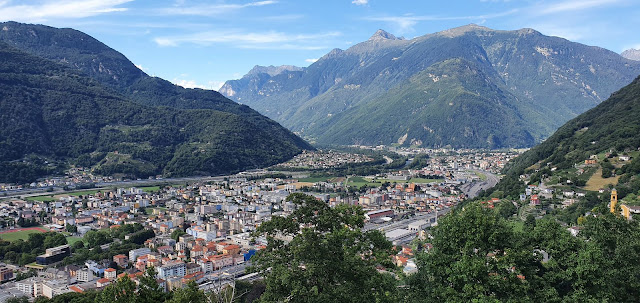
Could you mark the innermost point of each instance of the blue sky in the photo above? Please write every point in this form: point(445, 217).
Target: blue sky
point(198, 43)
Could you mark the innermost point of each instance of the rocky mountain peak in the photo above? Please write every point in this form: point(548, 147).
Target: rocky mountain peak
point(632, 54)
point(382, 35)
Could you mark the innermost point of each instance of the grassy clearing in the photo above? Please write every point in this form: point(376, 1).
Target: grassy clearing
point(150, 189)
point(313, 179)
point(84, 192)
point(596, 181)
point(72, 240)
point(422, 180)
point(48, 198)
point(516, 225)
point(17, 235)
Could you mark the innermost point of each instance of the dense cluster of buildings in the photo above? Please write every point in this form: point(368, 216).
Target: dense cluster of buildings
point(216, 218)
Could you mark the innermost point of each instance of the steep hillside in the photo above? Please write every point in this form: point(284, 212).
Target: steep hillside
point(540, 81)
point(612, 126)
point(111, 68)
point(51, 115)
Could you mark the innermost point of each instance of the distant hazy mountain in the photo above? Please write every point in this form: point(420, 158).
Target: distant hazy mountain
point(632, 54)
point(469, 86)
point(66, 98)
point(256, 75)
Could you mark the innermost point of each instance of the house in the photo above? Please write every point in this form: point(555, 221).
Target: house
point(121, 260)
point(103, 282)
point(534, 200)
point(110, 273)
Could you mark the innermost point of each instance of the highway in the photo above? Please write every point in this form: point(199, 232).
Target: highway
point(472, 189)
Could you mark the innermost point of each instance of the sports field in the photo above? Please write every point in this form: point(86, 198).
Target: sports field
point(20, 233)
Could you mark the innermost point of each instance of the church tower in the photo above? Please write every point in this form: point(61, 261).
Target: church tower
point(614, 200)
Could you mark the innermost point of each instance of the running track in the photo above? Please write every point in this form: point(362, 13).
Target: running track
point(40, 229)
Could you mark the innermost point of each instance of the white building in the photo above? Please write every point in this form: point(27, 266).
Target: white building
point(134, 254)
point(174, 269)
point(84, 275)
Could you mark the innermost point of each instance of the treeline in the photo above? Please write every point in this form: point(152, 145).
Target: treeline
point(23, 252)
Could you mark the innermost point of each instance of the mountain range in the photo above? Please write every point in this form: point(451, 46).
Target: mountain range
point(66, 98)
point(469, 86)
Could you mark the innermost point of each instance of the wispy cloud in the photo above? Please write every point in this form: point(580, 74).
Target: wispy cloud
point(43, 10)
point(312, 60)
point(215, 85)
point(209, 9)
point(360, 2)
point(406, 22)
point(576, 5)
point(265, 40)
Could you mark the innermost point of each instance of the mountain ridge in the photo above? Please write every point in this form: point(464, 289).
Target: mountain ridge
point(547, 80)
point(58, 110)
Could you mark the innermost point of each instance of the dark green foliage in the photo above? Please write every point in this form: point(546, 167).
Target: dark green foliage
point(24, 252)
point(477, 257)
point(329, 258)
point(419, 161)
point(177, 233)
point(48, 111)
point(465, 87)
point(141, 236)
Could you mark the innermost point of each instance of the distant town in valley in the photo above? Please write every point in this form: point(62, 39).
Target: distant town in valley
point(201, 230)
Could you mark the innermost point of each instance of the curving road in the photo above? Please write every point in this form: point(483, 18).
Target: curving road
point(472, 189)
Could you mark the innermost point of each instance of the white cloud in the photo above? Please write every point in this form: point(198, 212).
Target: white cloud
point(312, 60)
point(265, 40)
point(39, 11)
point(209, 10)
point(575, 5)
point(142, 68)
point(360, 2)
point(212, 85)
point(406, 22)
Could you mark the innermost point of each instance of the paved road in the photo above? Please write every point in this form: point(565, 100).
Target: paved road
point(472, 189)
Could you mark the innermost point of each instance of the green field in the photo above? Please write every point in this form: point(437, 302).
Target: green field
point(422, 180)
point(49, 198)
point(150, 189)
point(72, 240)
point(84, 193)
point(24, 235)
point(313, 179)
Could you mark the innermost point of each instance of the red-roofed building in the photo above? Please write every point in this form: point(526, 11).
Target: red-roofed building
point(103, 282)
point(121, 260)
point(110, 273)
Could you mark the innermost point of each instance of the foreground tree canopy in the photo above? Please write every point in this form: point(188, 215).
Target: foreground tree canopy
point(478, 257)
point(320, 254)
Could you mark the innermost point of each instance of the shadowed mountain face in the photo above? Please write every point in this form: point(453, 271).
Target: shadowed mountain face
point(465, 87)
point(66, 98)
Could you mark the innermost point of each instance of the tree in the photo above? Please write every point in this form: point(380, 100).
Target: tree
point(122, 291)
point(71, 228)
point(148, 290)
point(476, 257)
point(188, 294)
point(177, 233)
point(320, 254)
